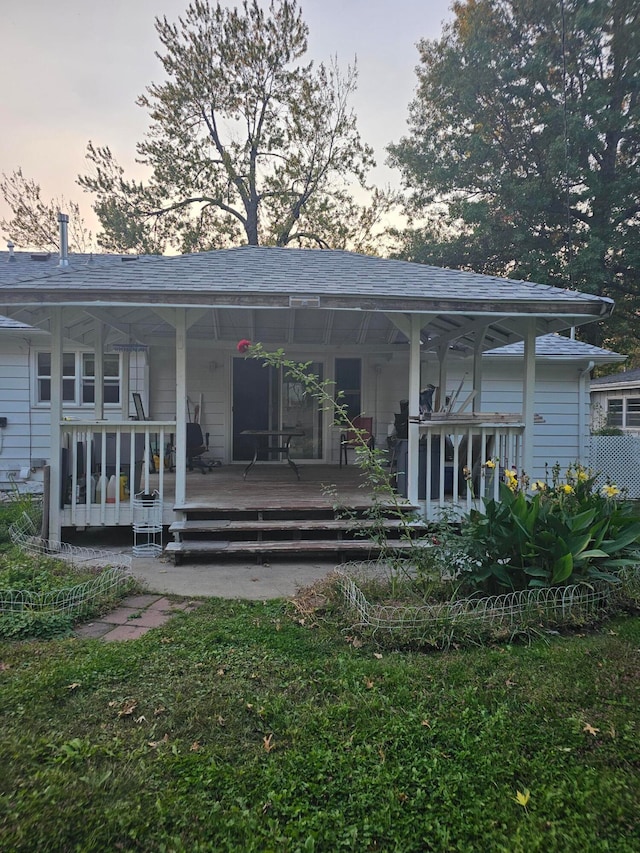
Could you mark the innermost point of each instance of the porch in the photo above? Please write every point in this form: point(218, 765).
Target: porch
point(105, 465)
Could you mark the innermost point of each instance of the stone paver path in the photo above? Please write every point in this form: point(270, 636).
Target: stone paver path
point(136, 615)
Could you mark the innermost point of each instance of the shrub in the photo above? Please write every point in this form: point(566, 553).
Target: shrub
point(562, 531)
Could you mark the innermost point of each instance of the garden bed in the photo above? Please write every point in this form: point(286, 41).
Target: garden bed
point(388, 601)
point(47, 586)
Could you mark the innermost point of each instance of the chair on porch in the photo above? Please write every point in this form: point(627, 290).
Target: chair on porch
point(361, 435)
point(196, 447)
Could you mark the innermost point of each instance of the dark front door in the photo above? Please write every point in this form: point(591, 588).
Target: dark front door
point(255, 403)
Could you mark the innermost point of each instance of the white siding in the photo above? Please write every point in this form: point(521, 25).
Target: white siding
point(25, 436)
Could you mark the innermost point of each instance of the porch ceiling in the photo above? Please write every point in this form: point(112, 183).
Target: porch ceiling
point(283, 327)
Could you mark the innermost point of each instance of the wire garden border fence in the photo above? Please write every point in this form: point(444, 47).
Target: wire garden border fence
point(112, 574)
point(545, 607)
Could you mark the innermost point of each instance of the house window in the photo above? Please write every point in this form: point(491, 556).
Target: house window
point(68, 377)
point(349, 382)
point(111, 368)
point(614, 412)
point(633, 412)
point(78, 378)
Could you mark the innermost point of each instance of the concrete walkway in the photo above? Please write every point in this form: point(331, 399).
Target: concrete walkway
point(136, 615)
point(220, 579)
point(280, 579)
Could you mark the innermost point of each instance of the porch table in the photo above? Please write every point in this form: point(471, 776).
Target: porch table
point(282, 448)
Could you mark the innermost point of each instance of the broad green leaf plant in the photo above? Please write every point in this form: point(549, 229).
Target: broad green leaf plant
point(561, 530)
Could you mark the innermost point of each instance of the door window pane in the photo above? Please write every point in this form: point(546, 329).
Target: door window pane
point(348, 381)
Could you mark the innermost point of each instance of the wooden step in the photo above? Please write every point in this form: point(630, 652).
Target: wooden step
point(346, 524)
point(197, 547)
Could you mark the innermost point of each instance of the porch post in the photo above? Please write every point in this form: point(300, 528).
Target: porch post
point(528, 396)
point(55, 451)
point(98, 372)
point(443, 353)
point(125, 384)
point(181, 405)
point(413, 444)
point(476, 404)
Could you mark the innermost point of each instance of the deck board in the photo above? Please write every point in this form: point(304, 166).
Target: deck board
point(271, 485)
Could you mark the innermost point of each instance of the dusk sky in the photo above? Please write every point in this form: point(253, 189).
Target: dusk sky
point(72, 69)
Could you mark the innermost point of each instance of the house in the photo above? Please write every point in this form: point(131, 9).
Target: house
point(24, 355)
point(379, 329)
point(615, 402)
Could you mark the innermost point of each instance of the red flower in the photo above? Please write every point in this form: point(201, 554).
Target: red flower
point(243, 345)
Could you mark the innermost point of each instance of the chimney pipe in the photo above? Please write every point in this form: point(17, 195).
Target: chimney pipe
point(63, 220)
point(10, 247)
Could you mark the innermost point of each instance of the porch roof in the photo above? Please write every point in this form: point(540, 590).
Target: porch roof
point(559, 348)
point(318, 286)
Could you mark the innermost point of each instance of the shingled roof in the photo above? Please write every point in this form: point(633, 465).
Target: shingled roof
point(626, 379)
point(231, 281)
point(558, 347)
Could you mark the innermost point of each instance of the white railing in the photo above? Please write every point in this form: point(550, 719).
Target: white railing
point(457, 479)
point(93, 453)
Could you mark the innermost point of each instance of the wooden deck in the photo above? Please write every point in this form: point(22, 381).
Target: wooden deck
point(270, 486)
point(272, 512)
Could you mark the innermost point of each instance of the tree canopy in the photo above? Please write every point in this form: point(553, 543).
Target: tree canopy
point(34, 221)
point(522, 155)
point(246, 143)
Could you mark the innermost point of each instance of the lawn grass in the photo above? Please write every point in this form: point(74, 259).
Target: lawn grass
point(238, 728)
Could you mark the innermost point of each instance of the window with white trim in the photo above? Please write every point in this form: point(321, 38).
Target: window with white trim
point(111, 379)
point(78, 378)
point(633, 412)
point(614, 412)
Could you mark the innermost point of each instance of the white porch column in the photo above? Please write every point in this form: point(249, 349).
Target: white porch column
point(413, 444)
point(181, 405)
point(98, 367)
point(55, 447)
point(443, 353)
point(528, 396)
point(125, 383)
point(476, 404)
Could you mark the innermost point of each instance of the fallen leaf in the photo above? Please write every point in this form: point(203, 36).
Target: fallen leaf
point(159, 710)
point(73, 685)
point(510, 683)
point(377, 655)
point(426, 724)
point(221, 720)
point(4, 667)
point(368, 684)
point(128, 708)
point(141, 719)
point(268, 742)
point(590, 729)
point(357, 644)
point(220, 671)
point(195, 746)
point(522, 798)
